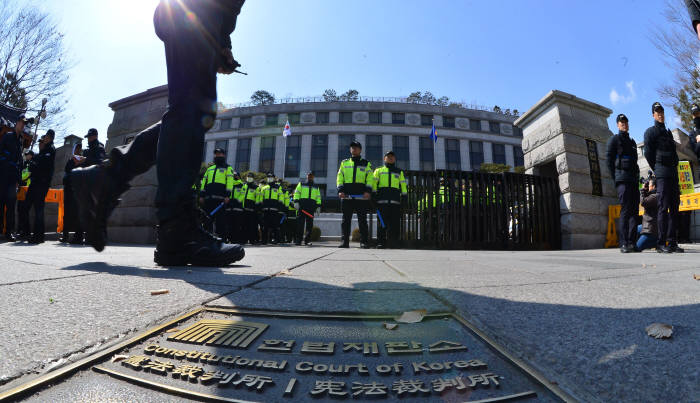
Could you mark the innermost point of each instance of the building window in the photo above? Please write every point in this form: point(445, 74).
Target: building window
point(448, 121)
point(345, 117)
point(518, 132)
point(518, 157)
point(294, 118)
point(225, 124)
point(398, 118)
point(499, 154)
point(476, 154)
point(373, 150)
point(246, 122)
point(243, 155)
point(453, 159)
point(495, 127)
point(475, 125)
point(267, 154)
point(322, 117)
point(426, 154)
point(222, 144)
point(319, 155)
point(344, 141)
point(292, 160)
point(270, 120)
point(401, 149)
point(426, 120)
point(375, 117)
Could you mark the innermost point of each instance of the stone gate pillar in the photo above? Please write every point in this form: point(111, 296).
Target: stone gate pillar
point(564, 137)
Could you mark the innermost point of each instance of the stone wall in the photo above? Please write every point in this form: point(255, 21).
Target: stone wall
point(555, 131)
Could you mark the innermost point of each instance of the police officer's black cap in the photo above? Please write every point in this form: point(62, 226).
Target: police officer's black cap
point(219, 150)
point(388, 153)
point(657, 107)
point(622, 118)
point(22, 117)
point(694, 108)
point(51, 133)
point(356, 144)
point(91, 132)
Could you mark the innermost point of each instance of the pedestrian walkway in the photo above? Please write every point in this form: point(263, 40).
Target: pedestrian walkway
point(578, 317)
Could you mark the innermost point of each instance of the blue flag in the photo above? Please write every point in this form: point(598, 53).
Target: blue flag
point(433, 134)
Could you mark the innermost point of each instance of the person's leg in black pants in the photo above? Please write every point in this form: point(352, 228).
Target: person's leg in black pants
point(383, 229)
point(7, 206)
point(668, 199)
point(347, 208)
point(23, 213)
point(39, 201)
point(361, 207)
point(393, 223)
point(309, 227)
point(629, 210)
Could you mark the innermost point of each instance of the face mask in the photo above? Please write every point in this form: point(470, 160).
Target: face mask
point(389, 165)
point(249, 180)
point(220, 161)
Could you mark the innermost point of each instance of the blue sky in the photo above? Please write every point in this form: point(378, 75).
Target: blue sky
point(497, 52)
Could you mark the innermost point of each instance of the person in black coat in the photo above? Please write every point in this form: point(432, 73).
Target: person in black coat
point(95, 152)
point(622, 164)
point(71, 223)
point(197, 47)
point(10, 173)
point(660, 153)
point(41, 169)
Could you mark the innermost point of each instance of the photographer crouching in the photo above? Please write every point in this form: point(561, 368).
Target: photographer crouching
point(648, 229)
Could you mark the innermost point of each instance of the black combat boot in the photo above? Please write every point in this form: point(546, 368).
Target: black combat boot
point(182, 241)
point(97, 193)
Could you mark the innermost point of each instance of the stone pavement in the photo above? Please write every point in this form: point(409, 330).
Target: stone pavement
point(576, 316)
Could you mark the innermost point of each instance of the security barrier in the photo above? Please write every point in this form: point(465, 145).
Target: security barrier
point(472, 210)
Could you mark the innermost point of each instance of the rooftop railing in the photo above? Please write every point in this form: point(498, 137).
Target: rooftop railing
point(401, 100)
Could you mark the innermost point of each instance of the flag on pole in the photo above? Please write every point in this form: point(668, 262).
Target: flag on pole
point(287, 130)
point(433, 134)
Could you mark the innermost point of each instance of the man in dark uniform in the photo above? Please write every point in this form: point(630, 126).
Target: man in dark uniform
point(660, 153)
point(197, 46)
point(42, 168)
point(622, 164)
point(354, 187)
point(10, 173)
point(95, 152)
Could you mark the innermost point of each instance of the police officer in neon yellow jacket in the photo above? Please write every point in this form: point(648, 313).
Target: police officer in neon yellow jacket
point(216, 188)
point(272, 200)
point(354, 188)
point(389, 186)
point(307, 201)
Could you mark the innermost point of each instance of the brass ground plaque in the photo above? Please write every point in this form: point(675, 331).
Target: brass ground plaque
point(233, 356)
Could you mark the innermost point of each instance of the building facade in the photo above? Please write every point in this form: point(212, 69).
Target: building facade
point(322, 132)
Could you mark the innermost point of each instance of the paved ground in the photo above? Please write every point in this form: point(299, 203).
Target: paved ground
point(577, 316)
